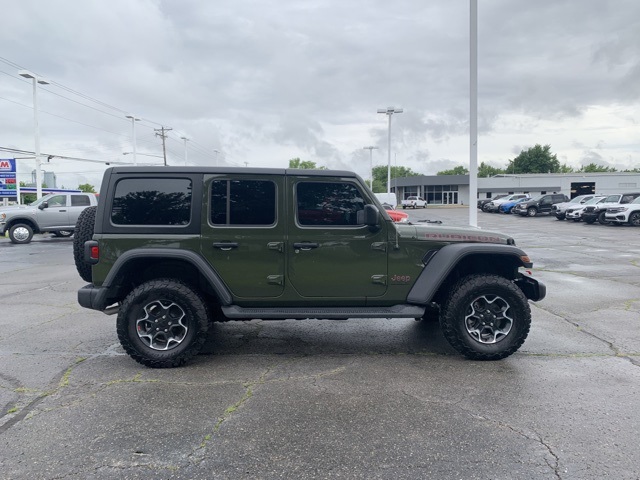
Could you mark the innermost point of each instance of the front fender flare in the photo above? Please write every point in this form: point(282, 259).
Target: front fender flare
point(442, 263)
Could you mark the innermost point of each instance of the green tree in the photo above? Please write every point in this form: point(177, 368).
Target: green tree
point(86, 187)
point(593, 168)
point(27, 198)
point(380, 176)
point(305, 164)
point(459, 170)
point(537, 159)
point(485, 170)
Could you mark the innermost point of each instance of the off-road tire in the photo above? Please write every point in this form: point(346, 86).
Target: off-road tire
point(634, 219)
point(162, 295)
point(82, 233)
point(20, 233)
point(532, 211)
point(602, 220)
point(461, 304)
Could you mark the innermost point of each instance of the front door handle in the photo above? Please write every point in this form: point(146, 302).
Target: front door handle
point(226, 246)
point(305, 245)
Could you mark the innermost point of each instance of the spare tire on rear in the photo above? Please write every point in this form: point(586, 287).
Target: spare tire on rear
point(83, 233)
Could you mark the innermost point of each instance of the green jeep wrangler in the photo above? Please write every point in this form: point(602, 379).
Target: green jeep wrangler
point(171, 249)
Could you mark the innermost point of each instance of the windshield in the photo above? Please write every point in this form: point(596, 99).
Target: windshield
point(594, 200)
point(637, 200)
point(537, 198)
point(612, 199)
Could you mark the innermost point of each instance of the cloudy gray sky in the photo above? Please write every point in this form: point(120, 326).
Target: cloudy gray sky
point(266, 81)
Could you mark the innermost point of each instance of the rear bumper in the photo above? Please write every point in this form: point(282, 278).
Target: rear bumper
point(92, 297)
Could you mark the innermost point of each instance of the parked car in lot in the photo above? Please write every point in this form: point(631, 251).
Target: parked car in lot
point(414, 202)
point(483, 201)
point(507, 207)
point(56, 213)
point(575, 213)
point(494, 205)
point(539, 204)
point(598, 212)
point(629, 213)
point(560, 209)
point(396, 215)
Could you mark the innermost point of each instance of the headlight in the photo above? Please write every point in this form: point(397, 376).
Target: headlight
point(404, 220)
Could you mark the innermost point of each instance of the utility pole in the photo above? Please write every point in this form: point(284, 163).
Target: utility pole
point(162, 134)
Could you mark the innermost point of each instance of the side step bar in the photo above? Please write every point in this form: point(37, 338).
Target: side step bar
point(332, 313)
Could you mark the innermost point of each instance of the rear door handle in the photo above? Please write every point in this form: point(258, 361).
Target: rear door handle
point(226, 246)
point(305, 245)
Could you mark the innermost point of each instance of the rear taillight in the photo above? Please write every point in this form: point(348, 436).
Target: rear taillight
point(95, 253)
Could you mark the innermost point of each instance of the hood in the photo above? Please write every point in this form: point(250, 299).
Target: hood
point(15, 208)
point(446, 234)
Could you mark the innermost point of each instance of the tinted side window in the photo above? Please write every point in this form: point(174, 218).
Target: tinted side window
point(80, 201)
point(243, 202)
point(328, 204)
point(152, 201)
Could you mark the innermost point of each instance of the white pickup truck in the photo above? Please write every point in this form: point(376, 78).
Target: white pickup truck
point(56, 213)
point(414, 202)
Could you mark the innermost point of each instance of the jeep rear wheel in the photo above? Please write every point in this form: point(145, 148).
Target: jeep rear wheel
point(486, 317)
point(82, 233)
point(20, 233)
point(162, 323)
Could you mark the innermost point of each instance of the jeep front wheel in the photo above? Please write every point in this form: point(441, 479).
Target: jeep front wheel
point(486, 317)
point(20, 233)
point(162, 323)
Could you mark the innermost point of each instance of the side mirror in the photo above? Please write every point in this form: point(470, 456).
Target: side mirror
point(371, 216)
point(43, 205)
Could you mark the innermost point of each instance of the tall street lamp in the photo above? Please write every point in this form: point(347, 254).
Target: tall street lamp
point(133, 136)
point(371, 149)
point(217, 152)
point(36, 81)
point(388, 112)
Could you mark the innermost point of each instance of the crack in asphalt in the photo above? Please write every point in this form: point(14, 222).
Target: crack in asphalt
point(61, 382)
point(617, 352)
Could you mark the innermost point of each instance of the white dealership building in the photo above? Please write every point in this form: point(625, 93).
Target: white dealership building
point(454, 189)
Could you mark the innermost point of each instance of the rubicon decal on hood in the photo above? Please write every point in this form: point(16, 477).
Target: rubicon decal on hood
point(456, 237)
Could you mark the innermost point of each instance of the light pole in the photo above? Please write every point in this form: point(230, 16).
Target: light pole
point(36, 81)
point(133, 136)
point(371, 148)
point(217, 152)
point(388, 112)
point(185, 150)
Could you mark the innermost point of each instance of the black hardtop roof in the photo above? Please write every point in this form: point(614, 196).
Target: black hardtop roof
point(229, 170)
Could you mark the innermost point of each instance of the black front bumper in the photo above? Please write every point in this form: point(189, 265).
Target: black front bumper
point(533, 289)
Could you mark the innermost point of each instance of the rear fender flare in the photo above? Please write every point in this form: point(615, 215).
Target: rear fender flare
point(188, 256)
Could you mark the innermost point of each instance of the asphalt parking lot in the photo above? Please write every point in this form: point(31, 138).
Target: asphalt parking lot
point(374, 399)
